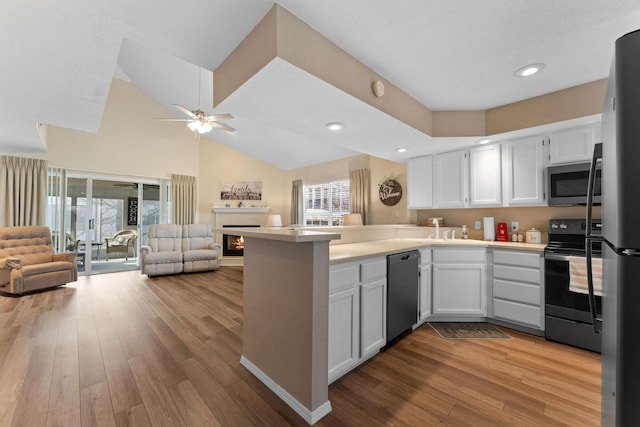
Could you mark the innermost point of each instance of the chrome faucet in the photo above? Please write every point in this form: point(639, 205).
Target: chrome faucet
point(435, 222)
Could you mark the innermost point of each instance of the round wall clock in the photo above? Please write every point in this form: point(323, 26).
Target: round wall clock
point(390, 192)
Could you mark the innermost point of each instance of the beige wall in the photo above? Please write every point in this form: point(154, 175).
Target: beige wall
point(528, 217)
point(380, 169)
point(220, 164)
point(130, 142)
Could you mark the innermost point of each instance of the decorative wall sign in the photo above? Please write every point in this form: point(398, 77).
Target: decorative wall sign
point(132, 211)
point(242, 190)
point(390, 192)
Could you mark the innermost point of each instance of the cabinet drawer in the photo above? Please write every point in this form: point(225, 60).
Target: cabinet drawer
point(518, 274)
point(518, 258)
point(517, 292)
point(516, 312)
point(373, 269)
point(469, 256)
point(425, 256)
point(343, 276)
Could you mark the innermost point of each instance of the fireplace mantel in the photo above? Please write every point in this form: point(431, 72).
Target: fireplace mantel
point(262, 210)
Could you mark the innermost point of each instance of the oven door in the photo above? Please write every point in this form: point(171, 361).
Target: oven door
point(567, 315)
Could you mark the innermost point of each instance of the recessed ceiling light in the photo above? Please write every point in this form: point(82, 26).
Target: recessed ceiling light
point(401, 150)
point(483, 141)
point(334, 126)
point(529, 70)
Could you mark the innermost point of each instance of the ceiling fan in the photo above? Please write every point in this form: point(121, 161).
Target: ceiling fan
point(198, 120)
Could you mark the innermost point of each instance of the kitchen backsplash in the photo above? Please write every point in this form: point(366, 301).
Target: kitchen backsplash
point(527, 217)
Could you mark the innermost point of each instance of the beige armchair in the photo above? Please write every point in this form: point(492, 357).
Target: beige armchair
point(121, 242)
point(28, 262)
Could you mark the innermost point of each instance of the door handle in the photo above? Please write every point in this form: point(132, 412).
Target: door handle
point(91, 224)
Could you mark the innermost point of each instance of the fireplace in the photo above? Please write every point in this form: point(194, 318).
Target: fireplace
point(233, 245)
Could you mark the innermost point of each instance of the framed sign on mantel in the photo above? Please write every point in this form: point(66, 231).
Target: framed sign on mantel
point(390, 192)
point(241, 190)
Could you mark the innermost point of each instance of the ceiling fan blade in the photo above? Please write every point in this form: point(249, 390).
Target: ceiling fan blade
point(218, 117)
point(162, 119)
point(222, 126)
point(184, 110)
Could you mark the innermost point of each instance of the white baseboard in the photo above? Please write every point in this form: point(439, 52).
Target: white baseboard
point(310, 417)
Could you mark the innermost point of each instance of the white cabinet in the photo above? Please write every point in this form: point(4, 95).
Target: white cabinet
point(344, 319)
point(425, 284)
point(518, 294)
point(420, 183)
point(572, 145)
point(451, 179)
point(485, 177)
point(524, 178)
point(373, 306)
point(357, 313)
point(459, 284)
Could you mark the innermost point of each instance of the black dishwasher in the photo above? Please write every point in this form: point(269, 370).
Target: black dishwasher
point(402, 293)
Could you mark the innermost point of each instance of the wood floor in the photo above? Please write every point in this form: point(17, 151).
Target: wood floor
point(122, 349)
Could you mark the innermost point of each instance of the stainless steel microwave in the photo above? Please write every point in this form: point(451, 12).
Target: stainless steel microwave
point(567, 185)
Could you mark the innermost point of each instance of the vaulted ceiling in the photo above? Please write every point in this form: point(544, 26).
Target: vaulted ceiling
point(58, 59)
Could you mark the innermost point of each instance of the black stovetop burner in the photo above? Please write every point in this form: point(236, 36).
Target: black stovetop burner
point(567, 236)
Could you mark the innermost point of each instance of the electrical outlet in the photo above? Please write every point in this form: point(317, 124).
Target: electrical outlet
point(478, 225)
point(515, 226)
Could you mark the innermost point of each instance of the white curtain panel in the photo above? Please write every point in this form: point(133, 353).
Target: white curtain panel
point(23, 189)
point(360, 192)
point(184, 192)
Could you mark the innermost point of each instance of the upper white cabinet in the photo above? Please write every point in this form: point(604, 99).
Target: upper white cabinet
point(451, 179)
point(524, 177)
point(485, 177)
point(420, 183)
point(572, 145)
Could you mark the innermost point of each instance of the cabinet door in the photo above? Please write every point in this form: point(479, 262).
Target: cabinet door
point(459, 289)
point(425, 292)
point(373, 309)
point(420, 183)
point(451, 179)
point(344, 328)
point(485, 176)
point(525, 172)
point(572, 145)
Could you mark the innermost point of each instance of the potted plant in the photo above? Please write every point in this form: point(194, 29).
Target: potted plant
point(72, 246)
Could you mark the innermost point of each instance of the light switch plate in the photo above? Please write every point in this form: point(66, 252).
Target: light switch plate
point(515, 226)
point(478, 225)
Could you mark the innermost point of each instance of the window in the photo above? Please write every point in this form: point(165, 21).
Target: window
point(327, 203)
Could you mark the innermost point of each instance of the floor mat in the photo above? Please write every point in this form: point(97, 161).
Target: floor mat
point(466, 330)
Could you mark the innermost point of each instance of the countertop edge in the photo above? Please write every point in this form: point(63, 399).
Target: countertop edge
point(348, 252)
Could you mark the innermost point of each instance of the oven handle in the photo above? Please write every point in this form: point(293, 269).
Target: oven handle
point(590, 238)
point(556, 257)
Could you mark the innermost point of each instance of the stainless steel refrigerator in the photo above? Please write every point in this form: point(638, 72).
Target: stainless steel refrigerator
point(620, 321)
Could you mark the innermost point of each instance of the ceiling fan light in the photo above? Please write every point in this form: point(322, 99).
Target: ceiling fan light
point(204, 128)
point(194, 126)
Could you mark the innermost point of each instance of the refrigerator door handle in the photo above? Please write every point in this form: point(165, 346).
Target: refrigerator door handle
point(590, 238)
point(596, 159)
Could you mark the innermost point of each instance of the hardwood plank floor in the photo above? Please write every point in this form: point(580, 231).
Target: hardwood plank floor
point(123, 349)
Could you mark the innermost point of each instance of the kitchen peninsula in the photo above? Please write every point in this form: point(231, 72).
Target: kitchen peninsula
point(286, 298)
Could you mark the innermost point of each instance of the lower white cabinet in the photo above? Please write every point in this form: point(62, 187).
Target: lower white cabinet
point(357, 313)
point(425, 285)
point(518, 295)
point(373, 323)
point(459, 285)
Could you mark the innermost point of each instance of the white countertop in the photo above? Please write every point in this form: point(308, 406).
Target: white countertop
point(285, 234)
point(354, 251)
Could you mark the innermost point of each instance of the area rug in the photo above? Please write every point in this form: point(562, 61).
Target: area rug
point(464, 330)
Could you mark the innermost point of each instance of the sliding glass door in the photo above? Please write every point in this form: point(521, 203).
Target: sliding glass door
point(106, 220)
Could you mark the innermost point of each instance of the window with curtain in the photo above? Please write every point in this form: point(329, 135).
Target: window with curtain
point(327, 203)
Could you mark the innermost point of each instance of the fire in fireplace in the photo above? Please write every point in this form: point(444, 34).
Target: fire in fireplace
point(233, 245)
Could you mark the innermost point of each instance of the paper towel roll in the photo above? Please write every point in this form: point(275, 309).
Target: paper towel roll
point(489, 228)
